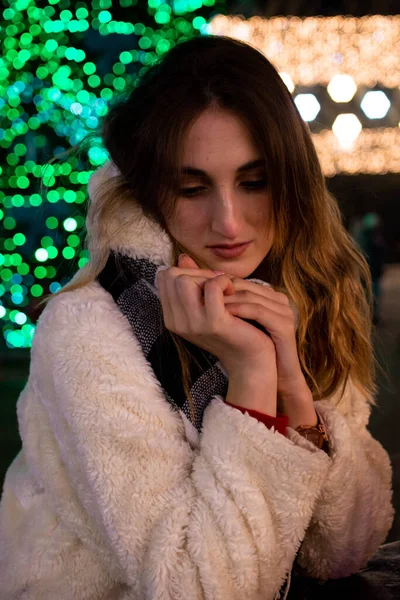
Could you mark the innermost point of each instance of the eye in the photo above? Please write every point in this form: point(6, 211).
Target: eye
point(252, 186)
point(255, 185)
point(190, 191)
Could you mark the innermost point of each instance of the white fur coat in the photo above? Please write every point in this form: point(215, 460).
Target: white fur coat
point(114, 496)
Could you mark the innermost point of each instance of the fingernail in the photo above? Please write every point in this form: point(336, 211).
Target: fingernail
point(219, 272)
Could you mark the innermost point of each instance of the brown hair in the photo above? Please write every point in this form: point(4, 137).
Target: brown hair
point(312, 257)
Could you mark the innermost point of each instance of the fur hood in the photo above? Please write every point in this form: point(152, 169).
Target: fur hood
point(143, 239)
point(111, 498)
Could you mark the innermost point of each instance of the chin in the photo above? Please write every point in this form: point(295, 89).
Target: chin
point(237, 270)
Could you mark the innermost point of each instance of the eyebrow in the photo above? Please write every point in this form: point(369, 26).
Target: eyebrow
point(188, 170)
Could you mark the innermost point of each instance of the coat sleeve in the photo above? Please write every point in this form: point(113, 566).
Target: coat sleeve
point(354, 511)
point(120, 490)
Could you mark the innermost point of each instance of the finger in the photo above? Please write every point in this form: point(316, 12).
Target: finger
point(262, 290)
point(187, 296)
point(185, 261)
point(177, 299)
point(277, 325)
point(193, 279)
point(200, 276)
point(183, 297)
point(288, 310)
point(249, 315)
point(164, 298)
point(214, 298)
point(247, 297)
point(208, 273)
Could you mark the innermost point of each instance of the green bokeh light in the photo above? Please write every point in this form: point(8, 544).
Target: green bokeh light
point(36, 290)
point(68, 252)
point(54, 91)
point(73, 240)
point(19, 239)
point(40, 272)
point(52, 222)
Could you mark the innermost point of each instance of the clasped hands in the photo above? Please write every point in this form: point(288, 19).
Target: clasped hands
point(272, 310)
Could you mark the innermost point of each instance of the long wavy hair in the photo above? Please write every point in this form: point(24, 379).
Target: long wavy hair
point(312, 256)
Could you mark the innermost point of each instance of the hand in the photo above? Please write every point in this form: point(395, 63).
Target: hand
point(272, 310)
point(193, 307)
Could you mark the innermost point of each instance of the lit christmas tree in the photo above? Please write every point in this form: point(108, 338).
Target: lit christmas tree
point(62, 64)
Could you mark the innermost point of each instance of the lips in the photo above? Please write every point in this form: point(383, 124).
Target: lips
point(230, 252)
point(229, 247)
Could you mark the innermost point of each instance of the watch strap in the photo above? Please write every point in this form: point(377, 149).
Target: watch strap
point(316, 434)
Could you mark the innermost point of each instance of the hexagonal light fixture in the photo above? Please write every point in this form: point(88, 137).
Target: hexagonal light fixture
point(308, 106)
point(288, 81)
point(346, 128)
point(342, 88)
point(375, 104)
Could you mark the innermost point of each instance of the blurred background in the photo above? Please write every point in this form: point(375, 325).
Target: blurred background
point(63, 62)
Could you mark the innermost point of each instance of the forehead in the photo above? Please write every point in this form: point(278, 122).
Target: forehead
point(218, 140)
point(217, 125)
point(218, 131)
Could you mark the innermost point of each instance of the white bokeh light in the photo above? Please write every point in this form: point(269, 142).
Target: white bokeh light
point(346, 128)
point(375, 105)
point(41, 254)
point(76, 108)
point(308, 106)
point(342, 88)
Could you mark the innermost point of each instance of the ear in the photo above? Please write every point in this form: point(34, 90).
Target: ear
point(187, 262)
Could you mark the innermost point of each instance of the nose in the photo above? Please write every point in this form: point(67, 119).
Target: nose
point(226, 217)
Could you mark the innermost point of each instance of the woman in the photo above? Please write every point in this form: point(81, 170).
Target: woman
point(164, 449)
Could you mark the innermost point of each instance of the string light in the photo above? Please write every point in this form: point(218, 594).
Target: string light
point(315, 49)
point(308, 106)
point(375, 152)
point(344, 54)
point(375, 104)
point(342, 88)
point(346, 128)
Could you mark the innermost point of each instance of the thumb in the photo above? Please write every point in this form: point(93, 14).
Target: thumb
point(186, 262)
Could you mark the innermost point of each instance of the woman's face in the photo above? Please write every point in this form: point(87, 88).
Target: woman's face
point(227, 206)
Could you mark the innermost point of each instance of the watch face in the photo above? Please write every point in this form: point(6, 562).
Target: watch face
point(314, 437)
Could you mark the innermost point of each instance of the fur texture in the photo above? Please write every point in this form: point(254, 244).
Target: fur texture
point(114, 497)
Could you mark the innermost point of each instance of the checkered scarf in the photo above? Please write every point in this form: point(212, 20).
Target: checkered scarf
point(132, 283)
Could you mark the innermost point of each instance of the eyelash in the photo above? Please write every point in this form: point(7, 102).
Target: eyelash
point(254, 186)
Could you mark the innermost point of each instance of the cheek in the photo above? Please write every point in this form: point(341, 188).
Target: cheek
point(260, 215)
point(263, 223)
point(188, 222)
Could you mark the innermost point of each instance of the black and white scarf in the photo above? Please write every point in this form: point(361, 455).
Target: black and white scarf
point(132, 282)
point(133, 285)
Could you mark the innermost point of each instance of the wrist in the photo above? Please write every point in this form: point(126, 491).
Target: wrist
point(253, 391)
point(253, 370)
point(308, 417)
point(299, 406)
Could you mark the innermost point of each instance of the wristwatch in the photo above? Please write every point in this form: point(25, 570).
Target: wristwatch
point(315, 434)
